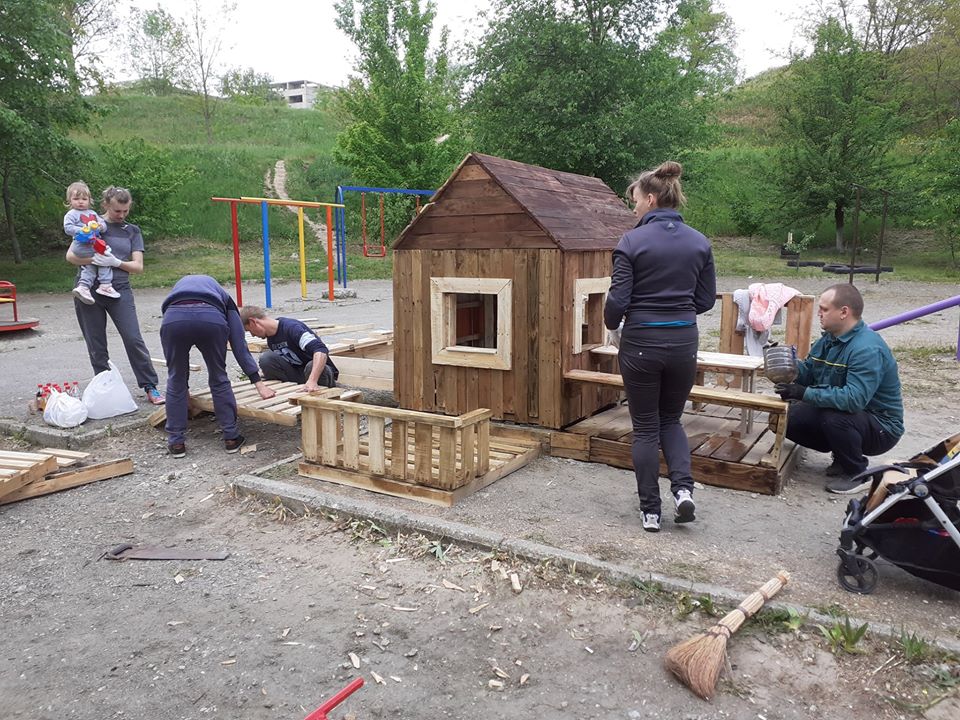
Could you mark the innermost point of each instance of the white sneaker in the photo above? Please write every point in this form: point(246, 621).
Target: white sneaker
point(108, 291)
point(651, 522)
point(686, 508)
point(82, 293)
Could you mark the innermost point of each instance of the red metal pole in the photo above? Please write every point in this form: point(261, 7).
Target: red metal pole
point(236, 250)
point(330, 252)
point(383, 231)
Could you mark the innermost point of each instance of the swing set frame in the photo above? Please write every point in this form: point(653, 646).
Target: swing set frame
point(369, 250)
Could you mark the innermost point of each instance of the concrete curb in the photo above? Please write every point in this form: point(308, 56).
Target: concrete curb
point(73, 438)
point(298, 498)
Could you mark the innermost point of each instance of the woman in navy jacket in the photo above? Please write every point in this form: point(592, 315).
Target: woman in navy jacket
point(663, 277)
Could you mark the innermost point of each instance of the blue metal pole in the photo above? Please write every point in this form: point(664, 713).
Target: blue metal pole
point(920, 312)
point(341, 230)
point(264, 220)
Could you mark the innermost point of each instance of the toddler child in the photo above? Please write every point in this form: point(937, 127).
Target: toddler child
point(84, 226)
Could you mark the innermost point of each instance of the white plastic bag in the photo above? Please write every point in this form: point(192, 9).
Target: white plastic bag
point(64, 411)
point(107, 396)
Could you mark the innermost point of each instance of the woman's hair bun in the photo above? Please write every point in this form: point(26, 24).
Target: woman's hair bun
point(669, 169)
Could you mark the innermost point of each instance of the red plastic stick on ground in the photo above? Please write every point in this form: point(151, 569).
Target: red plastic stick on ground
point(321, 712)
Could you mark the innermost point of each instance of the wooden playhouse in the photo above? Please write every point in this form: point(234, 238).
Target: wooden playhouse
point(498, 289)
point(499, 285)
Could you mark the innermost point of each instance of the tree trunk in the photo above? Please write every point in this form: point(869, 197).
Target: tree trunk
point(8, 213)
point(838, 219)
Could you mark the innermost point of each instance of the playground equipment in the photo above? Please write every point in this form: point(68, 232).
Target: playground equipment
point(920, 312)
point(265, 225)
point(8, 296)
point(341, 224)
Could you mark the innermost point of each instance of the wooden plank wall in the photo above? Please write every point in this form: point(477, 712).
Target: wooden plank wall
point(581, 400)
point(530, 392)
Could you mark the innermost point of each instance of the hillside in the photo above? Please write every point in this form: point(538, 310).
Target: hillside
point(247, 141)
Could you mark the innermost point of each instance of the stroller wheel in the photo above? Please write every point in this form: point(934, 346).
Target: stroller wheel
point(857, 574)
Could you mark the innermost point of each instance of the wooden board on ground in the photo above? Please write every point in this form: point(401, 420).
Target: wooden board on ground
point(65, 479)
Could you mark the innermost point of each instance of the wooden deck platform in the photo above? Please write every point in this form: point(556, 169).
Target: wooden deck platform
point(722, 455)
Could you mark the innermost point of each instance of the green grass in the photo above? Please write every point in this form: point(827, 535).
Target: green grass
point(167, 260)
point(178, 120)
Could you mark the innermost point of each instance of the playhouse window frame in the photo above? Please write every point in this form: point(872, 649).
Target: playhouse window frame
point(583, 289)
point(443, 322)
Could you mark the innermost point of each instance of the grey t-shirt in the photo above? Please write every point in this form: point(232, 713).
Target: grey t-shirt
point(124, 239)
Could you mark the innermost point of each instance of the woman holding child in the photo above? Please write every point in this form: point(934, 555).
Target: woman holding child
point(126, 244)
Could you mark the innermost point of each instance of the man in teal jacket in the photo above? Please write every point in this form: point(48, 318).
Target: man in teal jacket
point(848, 389)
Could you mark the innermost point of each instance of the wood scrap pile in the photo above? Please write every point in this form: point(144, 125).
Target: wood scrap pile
point(26, 475)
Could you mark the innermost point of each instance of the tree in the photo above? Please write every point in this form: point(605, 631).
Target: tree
point(248, 87)
point(91, 26)
point(39, 102)
point(403, 104)
point(203, 40)
point(588, 88)
point(838, 125)
point(939, 181)
point(157, 48)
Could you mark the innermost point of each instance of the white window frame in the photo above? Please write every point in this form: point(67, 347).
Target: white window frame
point(443, 322)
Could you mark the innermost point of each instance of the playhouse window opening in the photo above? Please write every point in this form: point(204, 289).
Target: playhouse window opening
point(471, 322)
point(592, 328)
point(476, 320)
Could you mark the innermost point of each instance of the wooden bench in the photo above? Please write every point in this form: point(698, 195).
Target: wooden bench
point(754, 402)
point(743, 367)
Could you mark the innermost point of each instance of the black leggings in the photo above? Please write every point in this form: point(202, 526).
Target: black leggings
point(659, 366)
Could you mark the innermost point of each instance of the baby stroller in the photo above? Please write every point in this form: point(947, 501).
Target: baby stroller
point(909, 517)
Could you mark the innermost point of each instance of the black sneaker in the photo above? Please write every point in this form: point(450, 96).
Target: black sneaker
point(233, 445)
point(177, 450)
point(848, 485)
point(835, 469)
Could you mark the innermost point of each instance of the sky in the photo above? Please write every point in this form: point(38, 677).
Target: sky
point(298, 40)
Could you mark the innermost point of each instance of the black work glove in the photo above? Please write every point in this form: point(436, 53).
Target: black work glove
point(789, 391)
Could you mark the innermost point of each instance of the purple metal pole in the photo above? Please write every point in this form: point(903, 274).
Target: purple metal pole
point(920, 312)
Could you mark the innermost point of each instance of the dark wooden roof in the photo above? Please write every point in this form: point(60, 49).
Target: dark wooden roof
point(547, 209)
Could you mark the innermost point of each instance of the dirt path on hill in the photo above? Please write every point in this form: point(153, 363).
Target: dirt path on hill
point(275, 184)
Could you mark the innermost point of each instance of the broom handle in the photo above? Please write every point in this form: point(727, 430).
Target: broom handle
point(750, 604)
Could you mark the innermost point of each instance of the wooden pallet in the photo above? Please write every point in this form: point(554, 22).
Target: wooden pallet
point(20, 468)
point(276, 410)
point(321, 330)
point(436, 459)
point(56, 478)
point(721, 455)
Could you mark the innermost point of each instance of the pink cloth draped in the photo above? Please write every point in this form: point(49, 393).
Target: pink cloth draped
point(766, 300)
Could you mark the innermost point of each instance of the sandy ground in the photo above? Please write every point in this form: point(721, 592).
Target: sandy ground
point(94, 639)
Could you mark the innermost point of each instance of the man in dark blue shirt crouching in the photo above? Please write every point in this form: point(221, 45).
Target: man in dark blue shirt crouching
point(295, 352)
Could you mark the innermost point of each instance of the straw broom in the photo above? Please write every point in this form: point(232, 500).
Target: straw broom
point(697, 662)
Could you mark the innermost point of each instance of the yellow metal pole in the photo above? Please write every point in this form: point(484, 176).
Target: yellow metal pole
point(303, 257)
